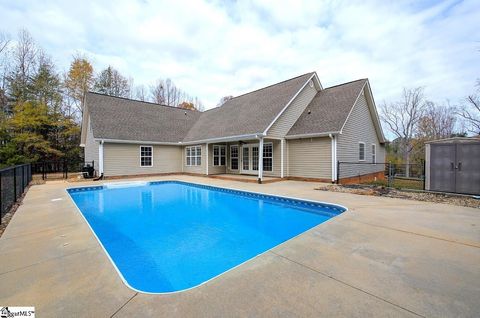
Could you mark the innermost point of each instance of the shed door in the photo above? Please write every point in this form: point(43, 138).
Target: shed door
point(442, 167)
point(468, 168)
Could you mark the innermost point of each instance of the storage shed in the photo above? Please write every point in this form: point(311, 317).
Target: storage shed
point(453, 165)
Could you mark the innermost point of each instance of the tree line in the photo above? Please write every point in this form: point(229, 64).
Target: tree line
point(41, 108)
point(414, 119)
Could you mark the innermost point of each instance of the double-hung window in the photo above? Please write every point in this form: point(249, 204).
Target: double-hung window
point(193, 155)
point(219, 155)
point(374, 153)
point(146, 156)
point(234, 157)
point(361, 151)
point(267, 157)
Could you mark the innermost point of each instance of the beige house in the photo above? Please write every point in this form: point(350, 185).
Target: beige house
point(303, 129)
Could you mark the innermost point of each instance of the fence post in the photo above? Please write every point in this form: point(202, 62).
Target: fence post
point(15, 184)
point(389, 180)
point(1, 196)
point(424, 174)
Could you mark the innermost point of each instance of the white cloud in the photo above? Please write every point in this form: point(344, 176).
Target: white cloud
point(214, 49)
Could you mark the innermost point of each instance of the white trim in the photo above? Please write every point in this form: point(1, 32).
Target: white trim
point(206, 159)
point(250, 145)
point(260, 159)
point(364, 151)
point(333, 151)
point(353, 106)
point(120, 141)
point(186, 156)
point(219, 155)
point(100, 158)
point(222, 139)
point(282, 153)
point(376, 118)
point(300, 136)
point(140, 158)
point(288, 104)
point(238, 158)
point(122, 278)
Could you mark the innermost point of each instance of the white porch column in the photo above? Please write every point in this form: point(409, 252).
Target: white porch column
point(100, 157)
point(260, 160)
point(206, 156)
point(282, 147)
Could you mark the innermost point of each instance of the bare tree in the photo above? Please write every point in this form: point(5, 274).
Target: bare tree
point(165, 92)
point(437, 122)
point(402, 118)
point(223, 100)
point(141, 93)
point(25, 58)
point(470, 111)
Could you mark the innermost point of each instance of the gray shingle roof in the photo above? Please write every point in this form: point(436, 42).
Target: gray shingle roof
point(250, 113)
point(328, 109)
point(125, 119)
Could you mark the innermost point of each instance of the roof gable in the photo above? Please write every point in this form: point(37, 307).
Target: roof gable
point(249, 113)
point(329, 109)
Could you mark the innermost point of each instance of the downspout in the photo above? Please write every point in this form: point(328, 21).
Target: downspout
point(260, 159)
point(207, 162)
point(334, 156)
point(100, 160)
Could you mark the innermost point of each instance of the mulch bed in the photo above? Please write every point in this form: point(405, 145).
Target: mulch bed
point(461, 200)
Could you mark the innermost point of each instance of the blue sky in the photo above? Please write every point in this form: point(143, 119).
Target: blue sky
point(212, 49)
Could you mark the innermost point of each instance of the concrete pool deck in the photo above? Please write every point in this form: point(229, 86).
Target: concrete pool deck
point(383, 258)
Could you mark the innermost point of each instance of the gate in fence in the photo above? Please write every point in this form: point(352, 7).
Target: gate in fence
point(58, 169)
point(13, 181)
point(392, 175)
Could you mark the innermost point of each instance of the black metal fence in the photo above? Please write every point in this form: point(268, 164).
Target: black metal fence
point(13, 181)
point(58, 169)
point(392, 175)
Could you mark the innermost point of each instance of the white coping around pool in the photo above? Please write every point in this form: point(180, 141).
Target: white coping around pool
point(385, 257)
point(112, 185)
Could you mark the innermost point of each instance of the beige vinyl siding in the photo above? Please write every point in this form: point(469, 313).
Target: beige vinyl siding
point(275, 158)
point(216, 169)
point(194, 169)
point(283, 124)
point(310, 158)
point(91, 146)
point(359, 128)
point(124, 159)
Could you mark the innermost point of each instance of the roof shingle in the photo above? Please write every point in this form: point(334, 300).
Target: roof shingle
point(328, 110)
point(125, 119)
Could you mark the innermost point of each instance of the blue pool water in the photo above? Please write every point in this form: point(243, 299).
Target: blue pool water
point(169, 236)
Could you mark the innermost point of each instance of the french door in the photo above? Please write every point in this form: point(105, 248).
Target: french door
point(250, 159)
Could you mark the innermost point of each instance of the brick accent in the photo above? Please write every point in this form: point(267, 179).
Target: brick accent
point(380, 175)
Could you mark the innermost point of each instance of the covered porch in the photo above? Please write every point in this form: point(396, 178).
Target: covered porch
point(259, 159)
point(244, 178)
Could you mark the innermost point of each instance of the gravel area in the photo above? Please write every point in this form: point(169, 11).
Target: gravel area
point(460, 200)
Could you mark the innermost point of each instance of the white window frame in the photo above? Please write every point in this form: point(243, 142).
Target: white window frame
point(237, 157)
point(265, 144)
point(374, 153)
point(151, 157)
point(197, 148)
point(219, 155)
point(359, 158)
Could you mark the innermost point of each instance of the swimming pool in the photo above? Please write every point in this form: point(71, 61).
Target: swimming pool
point(169, 236)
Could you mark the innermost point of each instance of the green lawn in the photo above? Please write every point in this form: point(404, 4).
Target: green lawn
point(401, 183)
